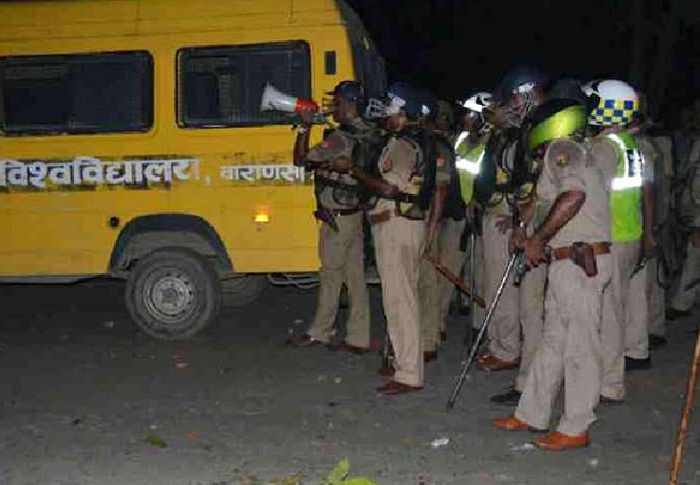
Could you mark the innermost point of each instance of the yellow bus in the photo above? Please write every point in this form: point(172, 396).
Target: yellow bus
point(132, 144)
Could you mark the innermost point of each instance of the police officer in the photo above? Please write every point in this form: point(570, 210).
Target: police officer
point(445, 206)
point(684, 294)
point(620, 159)
point(444, 119)
point(399, 230)
point(576, 226)
point(520, 308)
point(470, 146)
point(644, 284)
point(339, 209)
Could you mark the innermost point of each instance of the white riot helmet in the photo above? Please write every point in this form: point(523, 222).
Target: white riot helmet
point(478, 102)
point(617, 102)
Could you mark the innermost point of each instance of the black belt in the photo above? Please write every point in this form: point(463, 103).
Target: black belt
point(344, 212)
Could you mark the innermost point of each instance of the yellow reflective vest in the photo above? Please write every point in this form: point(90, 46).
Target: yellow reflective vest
point(468, 163)
point(626, 189)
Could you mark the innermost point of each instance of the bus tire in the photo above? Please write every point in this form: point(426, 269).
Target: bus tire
point(173, 293)
point(242, 290)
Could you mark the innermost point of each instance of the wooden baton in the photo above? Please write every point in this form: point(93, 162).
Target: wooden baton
point(455, 280)
point(683, 427)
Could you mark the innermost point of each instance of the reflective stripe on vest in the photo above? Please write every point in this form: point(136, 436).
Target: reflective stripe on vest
point(626, 194)
point(468, 164)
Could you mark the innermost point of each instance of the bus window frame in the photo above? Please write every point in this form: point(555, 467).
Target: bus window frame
point(179, 90)
point(148, 83)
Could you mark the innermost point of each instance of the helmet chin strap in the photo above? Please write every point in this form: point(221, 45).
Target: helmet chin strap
point(516, 115)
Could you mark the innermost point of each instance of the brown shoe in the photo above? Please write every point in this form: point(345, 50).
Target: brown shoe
point(491, 363)
point(305, 340)
point(393, 388)
point(511, 423)
point(559, 441)
point(344, 346)
point(429, 356)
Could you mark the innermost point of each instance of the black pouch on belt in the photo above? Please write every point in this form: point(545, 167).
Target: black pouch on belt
point(582, 255)
point(325, 215)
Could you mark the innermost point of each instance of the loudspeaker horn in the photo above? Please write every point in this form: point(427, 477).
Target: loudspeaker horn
point(275, 100)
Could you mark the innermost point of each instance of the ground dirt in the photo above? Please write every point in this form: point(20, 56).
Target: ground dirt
point(86, 399)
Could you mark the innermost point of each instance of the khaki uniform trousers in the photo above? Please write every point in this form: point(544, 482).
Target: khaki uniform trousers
point(342, 262)
point(479, 312)
point(434, 289)
point(638, 314)
point(617, 308)
point(397, 247)
point(657, 300)
point(520, 309)
point(684, 300)
point(570, 349)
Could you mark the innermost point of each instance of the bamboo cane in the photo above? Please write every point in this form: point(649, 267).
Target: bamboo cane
point(683, 427)
point(455, 280)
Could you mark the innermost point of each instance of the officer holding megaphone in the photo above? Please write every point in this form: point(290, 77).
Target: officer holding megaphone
point(340, 209)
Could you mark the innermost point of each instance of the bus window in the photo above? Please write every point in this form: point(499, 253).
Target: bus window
point(222, 86)
point(76, 93)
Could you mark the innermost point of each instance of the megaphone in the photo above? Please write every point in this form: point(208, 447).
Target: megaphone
point(274, 100)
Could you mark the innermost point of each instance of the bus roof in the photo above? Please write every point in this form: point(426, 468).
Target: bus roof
point(50, 19)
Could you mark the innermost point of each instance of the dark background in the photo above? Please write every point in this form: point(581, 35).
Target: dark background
point(458, 46)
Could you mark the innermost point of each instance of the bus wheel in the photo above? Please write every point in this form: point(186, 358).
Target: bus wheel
point(242, 290)
point(172, 294)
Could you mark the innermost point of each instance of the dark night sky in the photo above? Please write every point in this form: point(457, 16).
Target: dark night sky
point(432, 42)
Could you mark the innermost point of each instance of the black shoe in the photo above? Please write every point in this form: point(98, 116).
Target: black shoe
point(656, 341)
point(429, 356)
point(608, 400)
point(637, 364)
point(510, 398)
point(673, 314)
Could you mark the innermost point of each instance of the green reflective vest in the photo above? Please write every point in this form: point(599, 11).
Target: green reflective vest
point(626, 189)
point(468, 163)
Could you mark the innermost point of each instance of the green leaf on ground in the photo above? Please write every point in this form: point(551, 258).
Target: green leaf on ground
point(359, 481)
point(155, 440)
point(338, 473)
point(340, 476)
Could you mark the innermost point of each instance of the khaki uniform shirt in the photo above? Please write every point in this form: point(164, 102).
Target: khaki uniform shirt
point(569, 166)
point(396, 165)
point(442, 171)
point(651, 154)
point(336, 145)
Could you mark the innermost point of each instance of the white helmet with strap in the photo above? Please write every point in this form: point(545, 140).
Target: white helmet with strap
point(478, 102)
point(618, 102)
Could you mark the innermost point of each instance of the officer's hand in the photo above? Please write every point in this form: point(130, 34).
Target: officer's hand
point(307, 117)
point(534, 250)
point(517, 239)
point(503, 223)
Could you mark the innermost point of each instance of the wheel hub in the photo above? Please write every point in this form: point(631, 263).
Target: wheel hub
point(172, 294)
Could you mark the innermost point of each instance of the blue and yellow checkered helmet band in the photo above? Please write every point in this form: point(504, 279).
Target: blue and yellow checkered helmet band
point(614, 112)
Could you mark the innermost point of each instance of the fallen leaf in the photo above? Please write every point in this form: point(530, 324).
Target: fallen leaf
point(155, 440)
